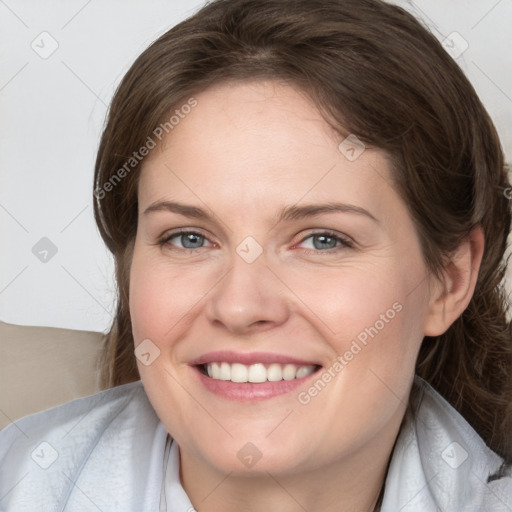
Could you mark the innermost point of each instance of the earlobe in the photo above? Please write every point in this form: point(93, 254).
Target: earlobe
point(451, 297)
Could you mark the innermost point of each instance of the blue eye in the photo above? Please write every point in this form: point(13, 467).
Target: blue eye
point(187, 239)
point(326, 241)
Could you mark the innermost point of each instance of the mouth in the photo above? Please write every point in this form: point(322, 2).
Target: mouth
point(256, 373)
point(246, 377)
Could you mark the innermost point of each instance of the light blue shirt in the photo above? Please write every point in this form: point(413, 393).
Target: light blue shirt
point(110, 452)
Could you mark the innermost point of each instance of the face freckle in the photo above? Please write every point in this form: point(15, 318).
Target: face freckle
point(295, 254)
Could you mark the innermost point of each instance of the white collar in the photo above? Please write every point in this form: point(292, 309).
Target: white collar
point(439, 462)
point(174, 497)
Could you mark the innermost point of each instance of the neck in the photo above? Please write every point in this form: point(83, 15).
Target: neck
point(351, 485)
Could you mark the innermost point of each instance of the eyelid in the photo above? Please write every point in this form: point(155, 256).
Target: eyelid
point(183, 231)
point(345, 240)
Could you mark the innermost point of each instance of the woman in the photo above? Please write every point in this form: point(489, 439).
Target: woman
point(306, 203)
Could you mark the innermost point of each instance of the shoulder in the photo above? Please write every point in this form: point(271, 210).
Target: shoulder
point(92, 411)
point(41, 455)
point(439, 460)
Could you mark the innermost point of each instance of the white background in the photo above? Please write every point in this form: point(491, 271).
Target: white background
point(52, 111)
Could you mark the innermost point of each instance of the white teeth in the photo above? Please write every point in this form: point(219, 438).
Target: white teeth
point(258, 372)
point(274, 372)
point(225, 371)
point(239, 373)
point(303, 371)
point(219, 371)
point(289, 372)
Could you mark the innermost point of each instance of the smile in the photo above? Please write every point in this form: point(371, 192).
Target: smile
point(252, 376)
point(256, 373)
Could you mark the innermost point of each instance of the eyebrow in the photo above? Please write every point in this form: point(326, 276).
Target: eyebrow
point(288, 213)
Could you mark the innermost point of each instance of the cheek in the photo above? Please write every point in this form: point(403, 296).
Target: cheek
point(364, 302)
point(161, 296)
point(372, 319)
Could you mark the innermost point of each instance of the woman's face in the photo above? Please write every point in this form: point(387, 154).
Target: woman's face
point(300, 271)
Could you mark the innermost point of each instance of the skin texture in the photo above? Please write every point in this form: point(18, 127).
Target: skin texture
point(246, 151)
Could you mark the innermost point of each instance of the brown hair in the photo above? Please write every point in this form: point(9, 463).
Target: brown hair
point(373, 71)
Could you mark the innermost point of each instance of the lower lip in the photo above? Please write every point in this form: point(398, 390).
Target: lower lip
point(248, 391)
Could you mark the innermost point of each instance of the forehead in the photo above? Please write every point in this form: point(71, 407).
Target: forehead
point(257, 144)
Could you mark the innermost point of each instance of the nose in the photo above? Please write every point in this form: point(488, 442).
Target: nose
point(249, 298)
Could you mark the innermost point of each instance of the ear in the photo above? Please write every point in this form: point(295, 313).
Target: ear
point(451, 295)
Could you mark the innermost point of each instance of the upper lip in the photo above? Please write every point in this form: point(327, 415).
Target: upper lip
point(249, 358)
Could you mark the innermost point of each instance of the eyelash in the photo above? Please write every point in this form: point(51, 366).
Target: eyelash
point(345, 242)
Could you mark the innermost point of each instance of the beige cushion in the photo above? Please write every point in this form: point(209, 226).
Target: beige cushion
point(43, 366)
